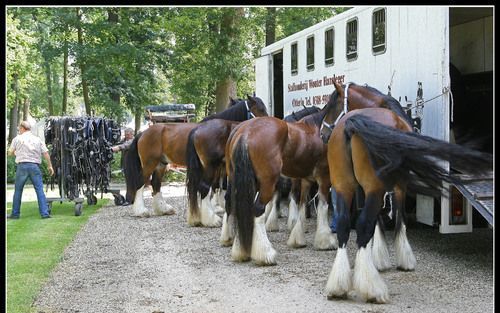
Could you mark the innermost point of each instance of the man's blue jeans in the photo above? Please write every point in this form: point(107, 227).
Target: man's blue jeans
point(23, 172)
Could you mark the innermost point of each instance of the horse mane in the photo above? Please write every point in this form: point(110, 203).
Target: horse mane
point(236, 112)
point(315, 119)
point(296, 116)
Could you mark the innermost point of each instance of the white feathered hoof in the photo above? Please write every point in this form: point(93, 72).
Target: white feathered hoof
point(405, 259)
point(325, 240)
point(297, 237)
point(138, 208)
point(262, 253)
point(237, 253)
point(339, 281)
point(293, 214)
point(208, 217)
point(226, 234)
point(272, 220)
point(367, 282)
point(380, 253)
point(160, 206)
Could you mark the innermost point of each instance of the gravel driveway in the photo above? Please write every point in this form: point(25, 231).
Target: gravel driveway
point(119, 263)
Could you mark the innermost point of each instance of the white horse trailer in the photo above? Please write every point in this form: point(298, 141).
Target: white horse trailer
point(402, 50)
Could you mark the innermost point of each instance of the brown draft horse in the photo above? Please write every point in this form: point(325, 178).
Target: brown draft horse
point(206, 166)
point(376, 149)
point(283, 190)
point(160, 144)
point(259, 150)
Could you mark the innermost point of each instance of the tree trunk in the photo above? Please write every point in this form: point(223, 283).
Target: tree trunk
point(226, 87)
point(26, 109)
point(138, 119)
point(270, 26)
point(65, 80)
point(113, 19)
point(85, 88)
point(14, 119)
point(46, 65)
point(224, 90)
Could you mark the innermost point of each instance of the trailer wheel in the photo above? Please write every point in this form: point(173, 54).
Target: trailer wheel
point(78, 209)
point(119, 199)
point(91, 200)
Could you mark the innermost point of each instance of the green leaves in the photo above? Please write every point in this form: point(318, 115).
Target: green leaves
point(138, 56)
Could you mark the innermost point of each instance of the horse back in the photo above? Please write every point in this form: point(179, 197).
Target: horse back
point(174, 137)
point(210, 139)
point(303, 150)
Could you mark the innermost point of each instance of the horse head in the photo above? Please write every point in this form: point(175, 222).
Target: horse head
point(336, 107)
point(234, 101)
point(352, 96)
point(256, 107)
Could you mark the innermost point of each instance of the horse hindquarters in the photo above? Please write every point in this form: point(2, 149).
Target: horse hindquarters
point(251, 240)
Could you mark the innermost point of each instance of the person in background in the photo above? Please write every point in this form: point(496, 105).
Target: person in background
point(124, 147)
point(28, 150)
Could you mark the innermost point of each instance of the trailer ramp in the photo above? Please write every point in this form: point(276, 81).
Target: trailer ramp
point(479, 191)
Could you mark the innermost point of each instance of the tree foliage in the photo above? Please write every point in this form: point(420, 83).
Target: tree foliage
point(130, 57)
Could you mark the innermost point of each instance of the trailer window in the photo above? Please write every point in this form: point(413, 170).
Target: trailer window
point(378, 31)
point(329, 35)
point(352, 39)
point(294, 59)
point(310, 53)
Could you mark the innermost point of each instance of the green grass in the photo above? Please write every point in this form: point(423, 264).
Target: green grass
point(35, 246)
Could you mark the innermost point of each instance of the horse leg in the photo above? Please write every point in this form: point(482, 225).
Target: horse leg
point(217, 197)
point(207, 211)
point(380, 253)
point(228, 230)
point(272, 214)
point(293, 210)
point(208, 216)
point(324, 239)
point(405, 260)
point(366, 279)
point(139, 209)
point(228, 222)
point(297, 237)
point(262, 251)
point(218, 200)
point(160, 206)
point(339, 281)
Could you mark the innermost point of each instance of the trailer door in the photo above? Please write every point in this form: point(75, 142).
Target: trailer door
point(263, 81)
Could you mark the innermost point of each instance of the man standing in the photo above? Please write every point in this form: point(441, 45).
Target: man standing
point(129, 136)
point(28, 150)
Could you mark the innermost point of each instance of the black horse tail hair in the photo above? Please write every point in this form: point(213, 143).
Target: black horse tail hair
point(194, 174)
point(132, 169)
point(243, 194)
point(410, 156)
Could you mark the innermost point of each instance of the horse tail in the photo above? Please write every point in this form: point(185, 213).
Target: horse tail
point(194, 173)
point(244, 189)
point(132, 169)
point(408, 156)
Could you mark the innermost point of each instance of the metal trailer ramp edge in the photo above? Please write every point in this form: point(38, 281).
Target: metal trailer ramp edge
point(478, 190)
